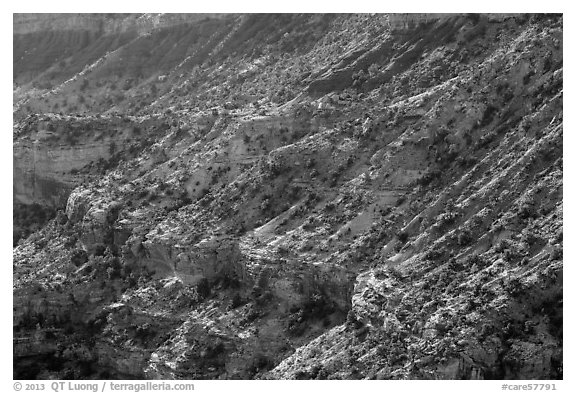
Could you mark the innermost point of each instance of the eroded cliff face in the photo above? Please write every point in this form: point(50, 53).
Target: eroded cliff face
point(345, 201)
point(103, 23)
point(44, 172)
point(53, 154)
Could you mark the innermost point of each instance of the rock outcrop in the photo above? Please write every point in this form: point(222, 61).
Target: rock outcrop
point(293, 196)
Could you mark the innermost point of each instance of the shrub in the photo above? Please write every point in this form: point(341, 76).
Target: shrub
point(429, 177)
point(485, 140)
point(143, 332)
point(395, 273)
point(513, 286)
point(466, 161)
point(317, 306)
point(464, 238)
point(529, 237)
point(373, 70)
point(400, 200)
point(352, 321)
point(79, 257)
point(446, 219)
point(527, 77)
point(261, 362)
point(488, 115)
point(556, 253)
point(527, 210)
point(435, 253)
point(114, 269)
point(283, 250)
point(237, 301)
point(330, 206)
point(403, 237)
point(474, 259)
point(510, 254)
point(203, 288)
point(99, 249)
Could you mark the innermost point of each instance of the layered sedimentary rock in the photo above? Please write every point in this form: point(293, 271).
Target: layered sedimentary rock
point(298, 196)
point(102, 23)
point(46, 174)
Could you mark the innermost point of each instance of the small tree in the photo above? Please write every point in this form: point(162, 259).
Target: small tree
point(203, 288)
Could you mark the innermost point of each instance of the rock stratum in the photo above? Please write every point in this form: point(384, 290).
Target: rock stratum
point(288, 196)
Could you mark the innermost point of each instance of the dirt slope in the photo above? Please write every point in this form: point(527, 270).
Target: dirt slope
point(291, 196)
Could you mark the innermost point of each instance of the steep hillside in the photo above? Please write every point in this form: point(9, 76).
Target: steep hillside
point(289, 196)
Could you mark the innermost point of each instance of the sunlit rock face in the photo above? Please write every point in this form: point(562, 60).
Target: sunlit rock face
point(46, 174)
point(288, 196)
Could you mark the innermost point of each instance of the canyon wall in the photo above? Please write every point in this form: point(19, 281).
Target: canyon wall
point(315, 196)
point(102, 23)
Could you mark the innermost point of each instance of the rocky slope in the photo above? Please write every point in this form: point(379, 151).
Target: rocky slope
point(291, 196)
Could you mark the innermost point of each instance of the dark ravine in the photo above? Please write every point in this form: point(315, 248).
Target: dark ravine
point(288, 196)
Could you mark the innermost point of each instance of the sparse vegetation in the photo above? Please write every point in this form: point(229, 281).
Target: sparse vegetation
point(286, 196)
